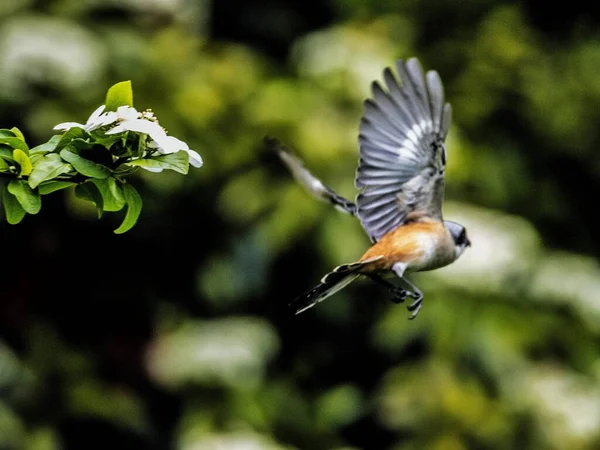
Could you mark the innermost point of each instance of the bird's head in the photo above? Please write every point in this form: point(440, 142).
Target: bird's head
point(459, 234)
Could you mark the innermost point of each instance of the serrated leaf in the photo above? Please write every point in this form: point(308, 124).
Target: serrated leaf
point(179, 162)
point(29, 199)
point(48, 187)
point(13, 210)
point(48, 167)
point(134, 207)
point(88, 191)
point(120, 94)
point(23, 161)
point(15, 142)
point(46, 147)
point(69, 135)
point(111, 193)
point(84, 166)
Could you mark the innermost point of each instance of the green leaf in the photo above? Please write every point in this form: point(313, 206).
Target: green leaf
point(13, 210)
point(112, 195)
point(107, 141)
point(15, 142)
point(51, 186)
point(179, 162)
point(134, 207)
point(23, 161)
point(84, 166)
point(36, 157)
point(48, 167)
point(3, 165)
point(4, 132)
point(29, 199)
point(88, 191)
point(120, 94)
point(46, 147)
point(6, 154)
point(18, 133)
point(69, 135)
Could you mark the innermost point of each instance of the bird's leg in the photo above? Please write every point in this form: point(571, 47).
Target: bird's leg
point(412, 290)
point(417, 295)
point(398, 293)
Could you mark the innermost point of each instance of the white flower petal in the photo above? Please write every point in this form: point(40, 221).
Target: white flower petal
point(97, 112)
point(98, 119)
point(169, 144)
point(195, 158)
point(127, 113)
point(107, 118)
point(68, 126)
point(139, 126)
point(117, 129)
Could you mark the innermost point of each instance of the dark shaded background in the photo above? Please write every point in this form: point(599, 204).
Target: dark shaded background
point(176, 335)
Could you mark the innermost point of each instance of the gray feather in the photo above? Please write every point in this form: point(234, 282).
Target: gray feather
point(436, 97)
point(402, 157)
point(331, 283)
point(446, 120)
point(311, 183)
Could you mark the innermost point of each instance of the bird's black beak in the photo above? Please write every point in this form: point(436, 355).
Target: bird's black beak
point(468, 242)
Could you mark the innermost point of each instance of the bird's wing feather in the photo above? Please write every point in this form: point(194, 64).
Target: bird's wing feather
point(310, 182)
point(402, 156)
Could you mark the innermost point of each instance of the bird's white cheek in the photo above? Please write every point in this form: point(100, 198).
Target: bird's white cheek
point(459, 249)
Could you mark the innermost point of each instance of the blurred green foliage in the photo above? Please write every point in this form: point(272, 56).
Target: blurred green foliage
point(176, 335)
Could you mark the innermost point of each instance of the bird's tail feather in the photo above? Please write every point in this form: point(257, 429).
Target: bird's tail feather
point(331, 283)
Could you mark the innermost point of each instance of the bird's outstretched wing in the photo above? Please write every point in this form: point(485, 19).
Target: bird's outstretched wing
point(402, 155)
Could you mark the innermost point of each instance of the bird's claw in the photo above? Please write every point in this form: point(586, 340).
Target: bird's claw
point(399, 294)
point(415, 306)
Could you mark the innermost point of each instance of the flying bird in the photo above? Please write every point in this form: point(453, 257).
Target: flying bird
point(400, 182)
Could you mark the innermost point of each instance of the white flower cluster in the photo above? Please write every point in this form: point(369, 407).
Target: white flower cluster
point(127, 118)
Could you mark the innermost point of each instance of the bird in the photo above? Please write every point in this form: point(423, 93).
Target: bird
point(400, 180)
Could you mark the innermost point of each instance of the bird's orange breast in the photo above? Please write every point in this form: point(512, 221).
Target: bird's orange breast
point(424, 245)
